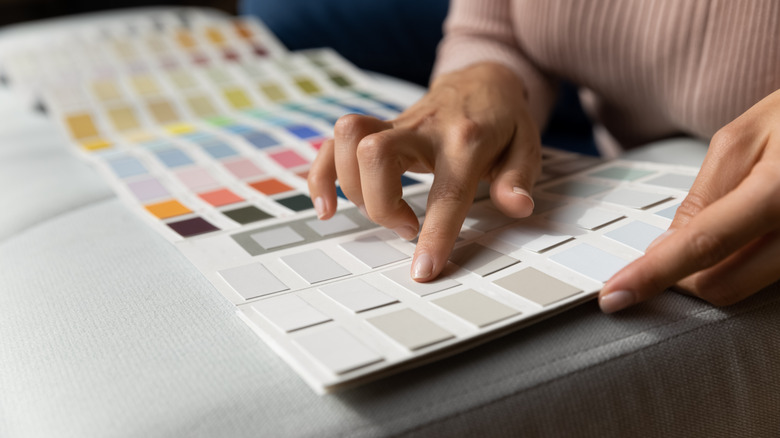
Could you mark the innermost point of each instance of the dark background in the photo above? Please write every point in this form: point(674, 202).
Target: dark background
point(15, 11)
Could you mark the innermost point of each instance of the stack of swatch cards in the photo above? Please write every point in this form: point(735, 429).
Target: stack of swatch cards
point(206, 126)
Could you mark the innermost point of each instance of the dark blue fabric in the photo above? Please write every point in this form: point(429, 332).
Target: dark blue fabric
point(395, 37)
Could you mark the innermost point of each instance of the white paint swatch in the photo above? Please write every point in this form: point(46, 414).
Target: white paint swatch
point(373, 252)
point(252, 281)
point(621, 173)
point(484, 217)
point(357, 295)
point(673, 180)
point(589, 218)
point(532, 238)
point(535, 285)
point(335, 225)
point(337, 350)
point(668, 212)
point(577, 188)
point(410, 329)
point(634, 198)
point(401, 276)
point(289, 313)
point(315, 266)
point(475, 308)
point(590, 261)
point(276, 237)
point(637, 235)
point(480, 259)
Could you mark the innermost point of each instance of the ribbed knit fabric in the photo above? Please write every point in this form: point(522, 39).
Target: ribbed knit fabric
point(649, 68)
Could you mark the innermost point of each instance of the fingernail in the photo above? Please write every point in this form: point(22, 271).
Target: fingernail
point(618, 300)
point(319, 207)
point(406, 232)
point(658, 239)
point(522, 192)
point(423, 267)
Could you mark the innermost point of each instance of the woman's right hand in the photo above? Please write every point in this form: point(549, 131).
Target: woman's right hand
point(472, 124)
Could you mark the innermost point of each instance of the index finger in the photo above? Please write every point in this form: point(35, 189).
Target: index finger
point(449, 200)
point(719, 230)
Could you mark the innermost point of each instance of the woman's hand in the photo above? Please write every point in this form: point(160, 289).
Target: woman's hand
point(724, 242)
point(472, 124)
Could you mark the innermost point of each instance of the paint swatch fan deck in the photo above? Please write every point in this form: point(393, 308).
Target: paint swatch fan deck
point(206, 126)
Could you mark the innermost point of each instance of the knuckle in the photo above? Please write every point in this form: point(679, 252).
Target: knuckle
point(709, 249)
point(348, 124)
point(728, 137)
point(450, 192)
point(372, 150)
point(692, 205)
point(467, 130)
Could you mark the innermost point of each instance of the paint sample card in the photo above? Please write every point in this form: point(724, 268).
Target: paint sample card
point(338, 224)
point(289, 313)
point(634, 198)
point(480, 259)
point(277, 237)
point(578, 189)
point(402, 277)
point(637, 235)
point(673, 180)
point(621, 173)
point(337, 350)
point(532, 238)
point(315, 266)
point(475, 308)
point(535, 285)
point(252, 281)
point(668, 212)
point(373, 252)
point(484, 217)
point(588, 218)
point(410, 329)
point(590, 261)
point(357, 295)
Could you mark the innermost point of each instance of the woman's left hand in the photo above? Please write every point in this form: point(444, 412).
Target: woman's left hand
point(724, 242)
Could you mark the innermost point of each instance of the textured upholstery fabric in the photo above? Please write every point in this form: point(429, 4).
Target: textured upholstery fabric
point(106, 330)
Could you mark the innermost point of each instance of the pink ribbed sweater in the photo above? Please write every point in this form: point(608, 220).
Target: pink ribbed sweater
point(648, 68)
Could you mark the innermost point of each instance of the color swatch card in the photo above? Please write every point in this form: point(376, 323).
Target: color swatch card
point(206, 127)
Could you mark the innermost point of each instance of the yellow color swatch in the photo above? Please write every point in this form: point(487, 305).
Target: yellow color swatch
point(307, 85)
point(201, 106)
point(162, 111)
point(237, 98)
point(166, 209)
point(81, 125)
point(98, 143)
point(180, 128)
point(123, 118)
point(144, 84)
point(215, 36)
point(273, 92)
point(106, 90)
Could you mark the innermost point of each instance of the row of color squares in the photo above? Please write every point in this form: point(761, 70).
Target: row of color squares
point(537, 237)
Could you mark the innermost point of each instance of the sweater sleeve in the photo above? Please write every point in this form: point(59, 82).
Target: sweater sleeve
point(478, 31)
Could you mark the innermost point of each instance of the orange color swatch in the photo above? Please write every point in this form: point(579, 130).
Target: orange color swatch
point(166, 209)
